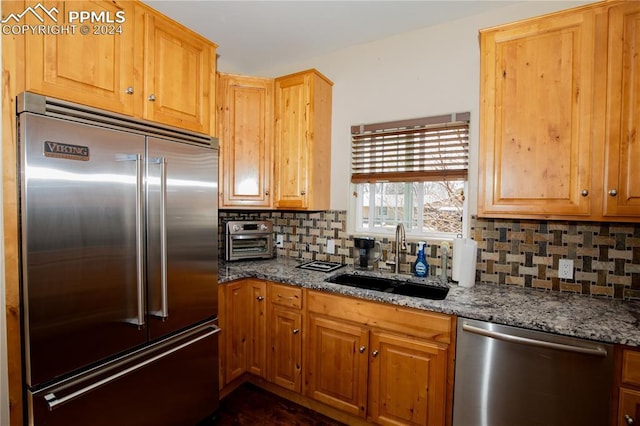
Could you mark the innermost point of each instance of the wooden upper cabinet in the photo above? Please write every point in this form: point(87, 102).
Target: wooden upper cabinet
point(92, 69)
point(559, 117)
point(179, 75)
point(146, 66)
point(537, 81)
point(622, 179)
point(303, 141)
point(245, 128)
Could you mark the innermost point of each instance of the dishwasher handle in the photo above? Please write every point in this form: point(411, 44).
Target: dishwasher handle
point(594, 350)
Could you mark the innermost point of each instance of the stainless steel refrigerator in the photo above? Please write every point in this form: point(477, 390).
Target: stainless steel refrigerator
point(119, 251)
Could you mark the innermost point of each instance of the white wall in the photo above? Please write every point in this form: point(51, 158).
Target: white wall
point(421, 73)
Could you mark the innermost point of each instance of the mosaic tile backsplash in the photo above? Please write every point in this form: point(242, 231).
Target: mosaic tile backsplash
point(606, 256)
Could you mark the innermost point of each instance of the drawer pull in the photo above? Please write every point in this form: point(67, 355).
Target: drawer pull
point(286, 297)
point(260, 298)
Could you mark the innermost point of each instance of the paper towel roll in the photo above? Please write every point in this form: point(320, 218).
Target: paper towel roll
point(463, 271)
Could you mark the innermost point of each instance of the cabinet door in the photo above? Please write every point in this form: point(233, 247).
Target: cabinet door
point(629, 409)
point(245, 127)
point(537, 81)
point(285, 364)
point(257, 333)
point(92, 69)
point(622, 180)
point(236, 325)
point(292, 142)
point(407, 383)
point(337, 364)
point(179, 75)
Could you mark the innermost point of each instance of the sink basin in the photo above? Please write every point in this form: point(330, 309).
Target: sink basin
point(390, 285)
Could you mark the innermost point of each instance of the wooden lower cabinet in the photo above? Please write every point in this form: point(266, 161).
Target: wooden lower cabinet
point(243, 320)
point(285, 349)
point(285, 336)
point(629, 408)
point(361, 361)
point(387, 364)
point(407, 380)
point(338, 364)
point(257, 333)
point(629, 391)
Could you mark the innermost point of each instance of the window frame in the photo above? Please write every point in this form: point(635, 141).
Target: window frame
point(359, 132)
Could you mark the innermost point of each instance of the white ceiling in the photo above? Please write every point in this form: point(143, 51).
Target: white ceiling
point(257, 35)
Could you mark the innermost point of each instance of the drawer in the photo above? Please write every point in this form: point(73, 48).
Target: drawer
point(285, 295)
point(631, 367)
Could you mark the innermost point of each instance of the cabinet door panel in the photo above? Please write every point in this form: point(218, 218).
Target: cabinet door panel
point(286, 348)
point(407, 382)
point(235, 334)
point(91, 69)
point(536, 119)
point(257, 333)
point(292, 145)
point(337, 368)
point(246, 131)
point(622, 184)
point(179, 69)
point(629, 407)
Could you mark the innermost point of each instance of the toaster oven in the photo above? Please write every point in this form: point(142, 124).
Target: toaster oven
point(248, 239)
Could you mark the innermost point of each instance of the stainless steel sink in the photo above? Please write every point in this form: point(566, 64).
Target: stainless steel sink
point(391, 285)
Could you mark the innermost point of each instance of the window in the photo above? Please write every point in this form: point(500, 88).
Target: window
point(412, 171)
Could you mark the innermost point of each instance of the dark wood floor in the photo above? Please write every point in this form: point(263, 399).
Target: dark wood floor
point(250, 405)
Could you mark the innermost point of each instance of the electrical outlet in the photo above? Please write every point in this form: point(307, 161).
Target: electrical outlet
point(280, 241)
point(331, 246)
point(565, 269)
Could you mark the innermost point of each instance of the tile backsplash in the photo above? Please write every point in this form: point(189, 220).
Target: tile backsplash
point(525, 253)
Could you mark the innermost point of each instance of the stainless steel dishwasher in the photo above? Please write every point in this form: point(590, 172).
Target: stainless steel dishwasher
point(506, 376)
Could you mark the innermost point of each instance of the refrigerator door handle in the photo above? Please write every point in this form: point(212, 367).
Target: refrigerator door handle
point(54, 402)
point(163, 313)
point(139, 320)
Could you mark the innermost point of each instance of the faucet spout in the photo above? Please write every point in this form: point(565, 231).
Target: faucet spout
point(401, 245)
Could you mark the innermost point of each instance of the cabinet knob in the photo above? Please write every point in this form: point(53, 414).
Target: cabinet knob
point(303, 192)
point(266, 193)
point(152, 97)
point(129, 90)
point(613, 192)
point(584, 192)
point(374, 353)
point(629, 420)
point(260, 298)
point(363, 348)
point(296, 330)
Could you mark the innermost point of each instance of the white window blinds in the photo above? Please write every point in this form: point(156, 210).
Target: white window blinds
point(423, 149)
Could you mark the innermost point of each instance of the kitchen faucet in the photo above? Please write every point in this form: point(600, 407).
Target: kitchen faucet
point(401, 244)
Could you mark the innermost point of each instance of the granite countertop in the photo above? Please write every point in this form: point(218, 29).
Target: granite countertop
point(599, 319)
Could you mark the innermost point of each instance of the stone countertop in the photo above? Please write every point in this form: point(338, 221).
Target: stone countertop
point(599, 319)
